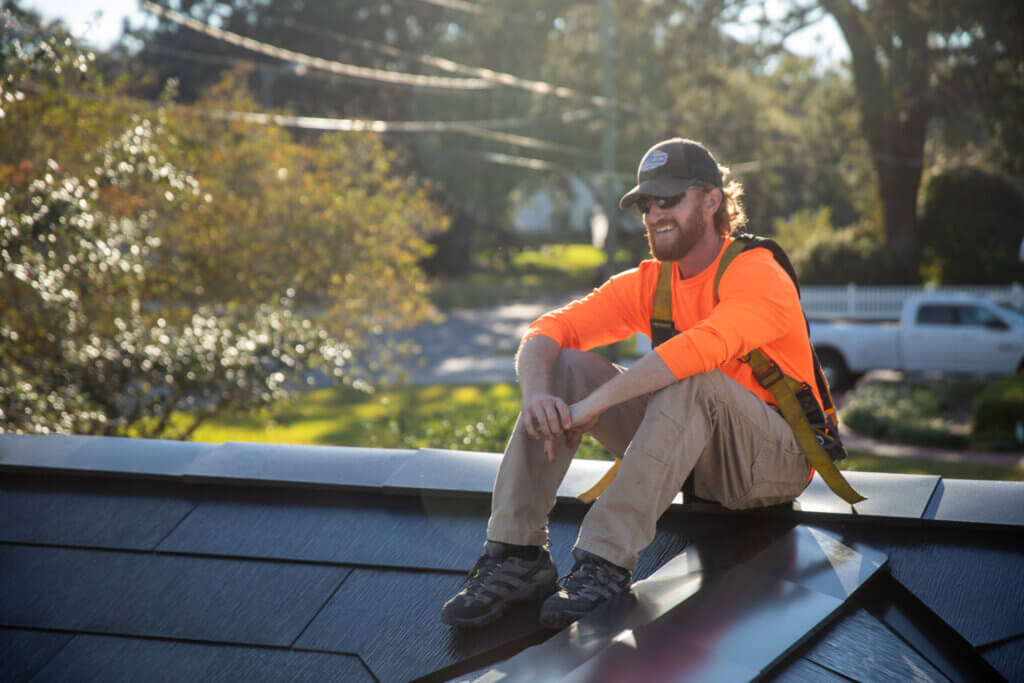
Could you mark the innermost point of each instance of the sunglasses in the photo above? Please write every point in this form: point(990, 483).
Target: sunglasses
point(644, 203)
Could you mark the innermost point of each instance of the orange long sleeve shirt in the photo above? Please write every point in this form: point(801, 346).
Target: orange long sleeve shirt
point(758, 308)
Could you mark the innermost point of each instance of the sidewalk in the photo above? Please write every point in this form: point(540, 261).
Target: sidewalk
point(855, 441)
point(474, 346)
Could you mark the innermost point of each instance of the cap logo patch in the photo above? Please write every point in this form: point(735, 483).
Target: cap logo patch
point(654, 160)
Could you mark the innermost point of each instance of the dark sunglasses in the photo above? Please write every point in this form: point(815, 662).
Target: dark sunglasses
point(644, 203)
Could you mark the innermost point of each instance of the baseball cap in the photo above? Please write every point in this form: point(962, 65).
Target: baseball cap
point(671, 167)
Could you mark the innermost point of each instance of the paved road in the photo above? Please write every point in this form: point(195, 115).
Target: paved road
point(473, 345)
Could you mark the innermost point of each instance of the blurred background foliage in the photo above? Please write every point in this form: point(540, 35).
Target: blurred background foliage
point(137, 213)
point(156, 261)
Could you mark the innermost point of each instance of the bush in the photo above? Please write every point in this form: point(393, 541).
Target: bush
point(488, 434)
point(154, 263)
point(970, 229)
point(925, 413)
point(909, 412)
point(824, 255)
point(997, 411)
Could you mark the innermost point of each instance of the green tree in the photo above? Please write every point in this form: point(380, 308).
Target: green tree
point(339, 223)
point(105, 327)
point(918, 62)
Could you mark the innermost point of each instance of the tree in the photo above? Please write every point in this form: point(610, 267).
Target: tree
point(105, 327)
point(916, 62)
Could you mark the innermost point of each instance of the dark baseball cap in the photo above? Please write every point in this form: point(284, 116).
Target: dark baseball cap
point(671, 167)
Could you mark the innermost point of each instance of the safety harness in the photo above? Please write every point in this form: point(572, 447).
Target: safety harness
point(815, 427)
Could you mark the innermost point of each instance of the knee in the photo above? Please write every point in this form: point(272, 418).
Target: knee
point(694, 390)
point(577, 373)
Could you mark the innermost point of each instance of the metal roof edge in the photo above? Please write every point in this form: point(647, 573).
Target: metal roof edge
point(429, 471)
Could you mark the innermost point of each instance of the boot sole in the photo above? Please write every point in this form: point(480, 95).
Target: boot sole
point(499, 610)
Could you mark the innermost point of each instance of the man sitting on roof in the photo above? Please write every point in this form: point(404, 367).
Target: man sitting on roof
point(688, 406)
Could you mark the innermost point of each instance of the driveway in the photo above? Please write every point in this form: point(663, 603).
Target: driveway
point(473, 346)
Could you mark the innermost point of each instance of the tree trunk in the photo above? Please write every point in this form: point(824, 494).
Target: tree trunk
point(890, 60)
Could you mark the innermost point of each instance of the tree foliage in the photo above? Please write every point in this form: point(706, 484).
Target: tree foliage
point(124, 294)
point(923, 62)
point(971, 229)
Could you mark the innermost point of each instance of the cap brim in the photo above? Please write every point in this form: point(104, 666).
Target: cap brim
point(656, 187)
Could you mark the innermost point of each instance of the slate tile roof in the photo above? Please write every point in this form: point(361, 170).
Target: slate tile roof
point(148, 560)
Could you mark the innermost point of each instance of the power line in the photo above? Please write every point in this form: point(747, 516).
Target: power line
point(488, 76)
point(276, 68)
point(457, 4)
point(521, 141)
point(358, 125)
point(476, 128)
point(367, 73)
point(521, 162)
point(474, 8)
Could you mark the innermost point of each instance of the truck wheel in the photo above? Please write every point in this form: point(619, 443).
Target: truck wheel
point(836, 372)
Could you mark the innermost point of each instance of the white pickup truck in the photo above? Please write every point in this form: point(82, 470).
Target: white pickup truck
point(935, 332)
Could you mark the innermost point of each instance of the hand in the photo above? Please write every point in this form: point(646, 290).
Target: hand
point(546, 417)
point(583, 420)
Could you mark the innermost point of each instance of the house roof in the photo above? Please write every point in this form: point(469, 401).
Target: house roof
point(128, 559)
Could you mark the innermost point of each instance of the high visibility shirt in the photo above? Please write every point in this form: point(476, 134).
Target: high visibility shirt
point(758, 307)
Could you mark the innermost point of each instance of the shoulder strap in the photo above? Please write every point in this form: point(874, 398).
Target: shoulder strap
point(662, 328)
point(741, 243)
point(783, 388)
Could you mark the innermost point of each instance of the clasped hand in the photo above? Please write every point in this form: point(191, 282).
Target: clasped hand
point(548, 417)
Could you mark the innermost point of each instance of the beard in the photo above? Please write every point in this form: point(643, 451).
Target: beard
point(684, 237)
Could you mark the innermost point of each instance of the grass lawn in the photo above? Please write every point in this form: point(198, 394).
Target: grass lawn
point(523, 274)
point(868, 462)
point(465, 417)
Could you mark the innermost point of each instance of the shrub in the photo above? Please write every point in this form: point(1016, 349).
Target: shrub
point(970, 229)
point(997, 411)
point(912, 412)
point(824, 255)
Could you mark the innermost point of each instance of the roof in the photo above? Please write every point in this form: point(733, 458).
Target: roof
point(154, 560)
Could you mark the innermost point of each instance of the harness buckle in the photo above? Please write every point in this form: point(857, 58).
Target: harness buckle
point(768, 375)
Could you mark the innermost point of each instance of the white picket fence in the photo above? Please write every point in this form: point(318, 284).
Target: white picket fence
point(855, 302)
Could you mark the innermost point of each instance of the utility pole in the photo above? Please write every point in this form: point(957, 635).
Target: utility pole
point(609, 140)
point(608, 144)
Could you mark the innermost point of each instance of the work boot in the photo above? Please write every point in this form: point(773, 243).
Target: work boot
point(592, 581)
point(504, 574)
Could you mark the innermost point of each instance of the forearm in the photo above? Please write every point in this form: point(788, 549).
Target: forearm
point(543, 416)
point(647, 375)
point(534, 364)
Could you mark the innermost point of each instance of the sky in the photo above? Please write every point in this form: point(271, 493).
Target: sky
point(98, 22)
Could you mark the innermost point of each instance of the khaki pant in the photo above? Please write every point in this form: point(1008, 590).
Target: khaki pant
point(742, 452)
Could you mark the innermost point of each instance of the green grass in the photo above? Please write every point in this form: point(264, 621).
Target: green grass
point(402, 418)
point(526, 273)
point(867, 462)
point(464, 417)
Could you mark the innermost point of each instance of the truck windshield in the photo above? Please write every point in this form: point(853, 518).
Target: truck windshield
point(1015, 316)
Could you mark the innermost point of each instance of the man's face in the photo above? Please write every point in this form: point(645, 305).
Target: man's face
point(673, 232)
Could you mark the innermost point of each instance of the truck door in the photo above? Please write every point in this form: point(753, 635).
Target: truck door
point(991, 344)
point(931, 342)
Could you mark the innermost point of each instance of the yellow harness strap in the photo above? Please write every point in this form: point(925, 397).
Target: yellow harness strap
point(595, 491)
point(661, 316)
point(782, 390)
